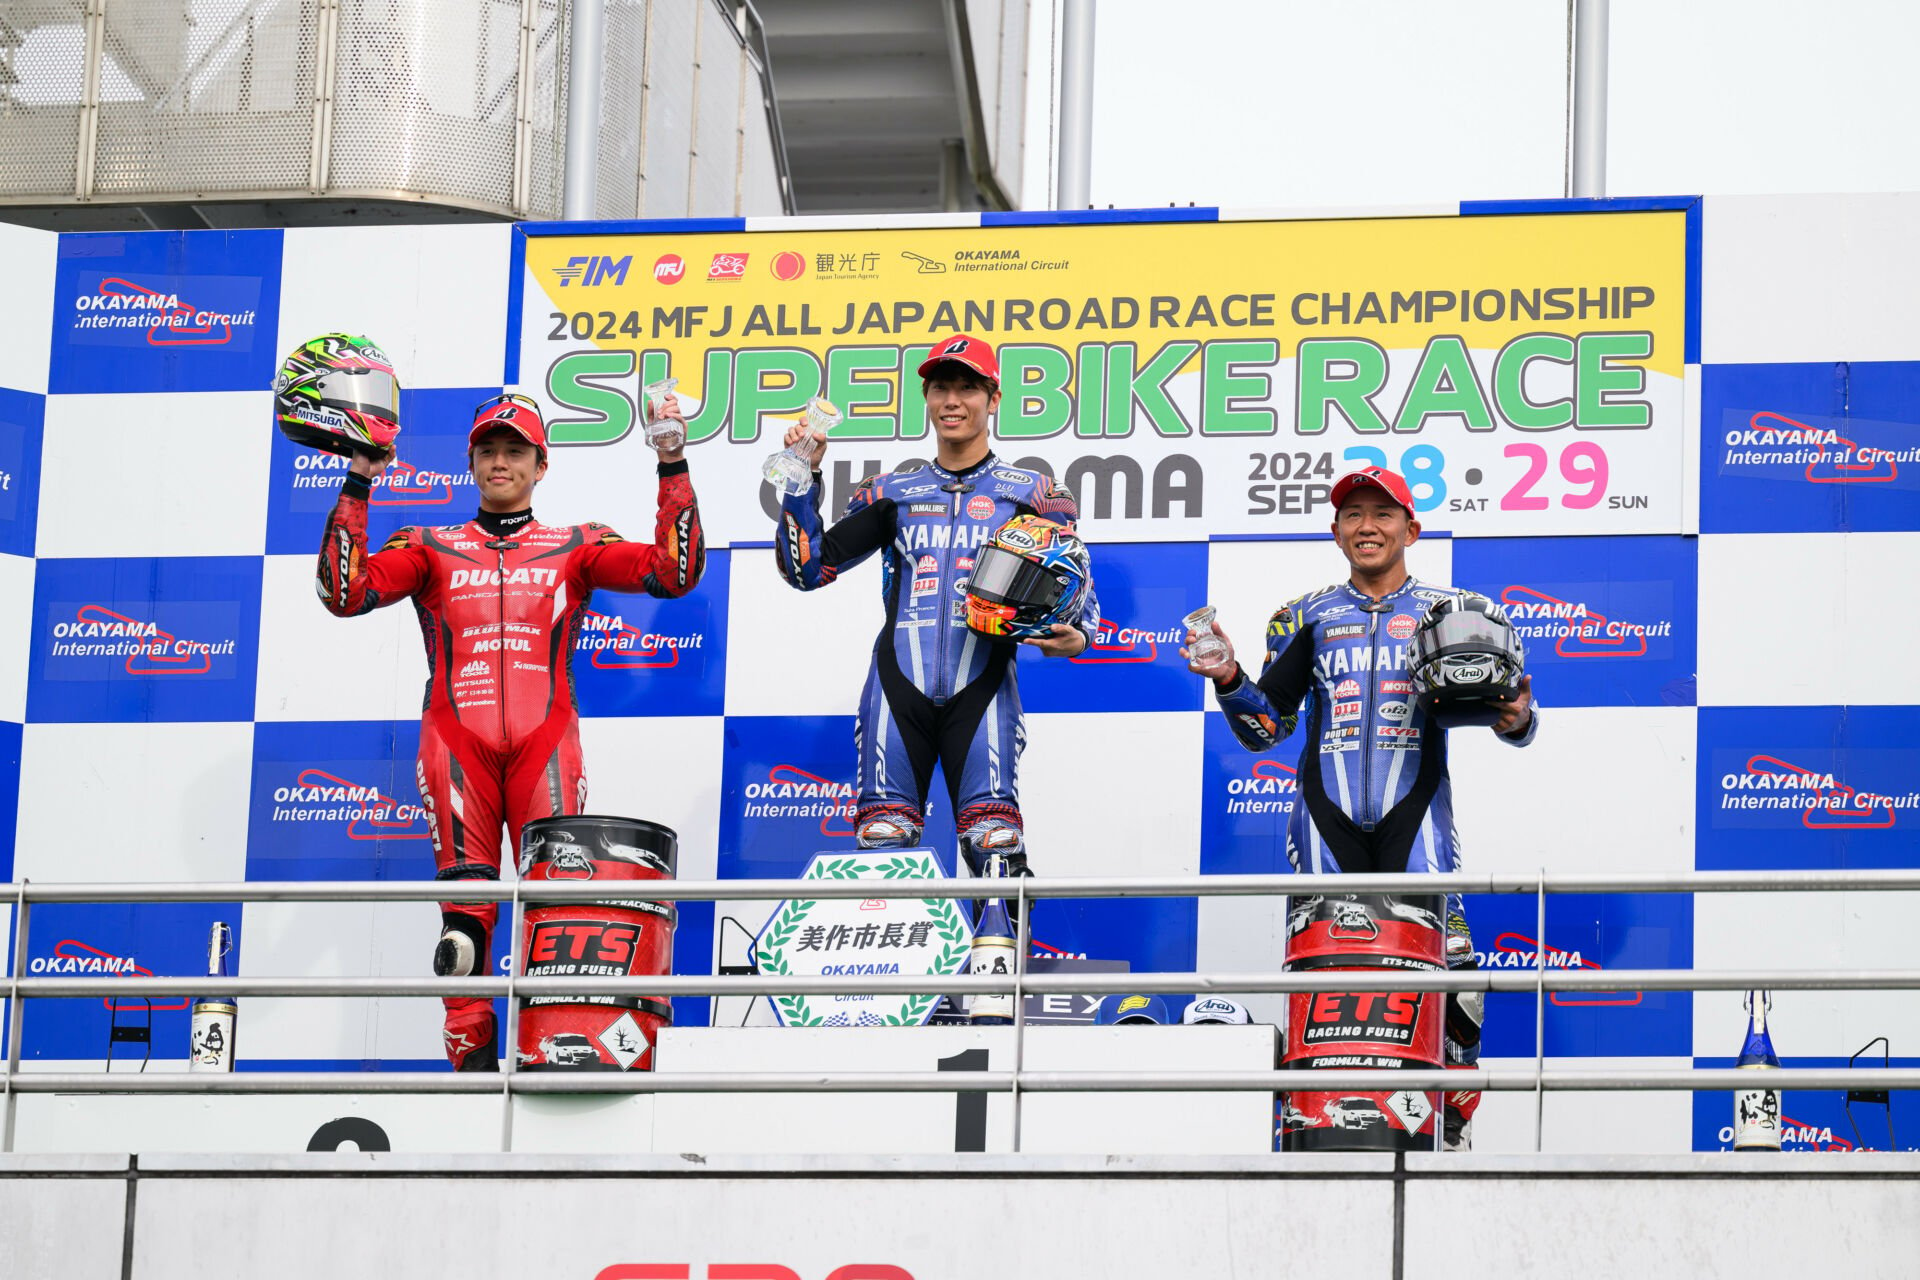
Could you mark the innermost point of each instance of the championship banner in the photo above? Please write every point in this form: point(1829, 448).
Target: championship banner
point(1186, 380)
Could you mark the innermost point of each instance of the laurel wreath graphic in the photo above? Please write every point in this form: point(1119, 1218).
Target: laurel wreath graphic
point(796, 1011)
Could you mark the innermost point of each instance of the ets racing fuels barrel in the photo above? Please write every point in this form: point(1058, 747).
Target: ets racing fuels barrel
point(617, 937)
point(1363, 1030)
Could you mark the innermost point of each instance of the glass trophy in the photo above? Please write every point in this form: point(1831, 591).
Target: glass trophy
point(790, 471)
point(662, 434)
point(1207, 649)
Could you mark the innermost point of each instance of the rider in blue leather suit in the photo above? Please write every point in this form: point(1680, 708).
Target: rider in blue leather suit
point(1375, 794)
point(936, 691)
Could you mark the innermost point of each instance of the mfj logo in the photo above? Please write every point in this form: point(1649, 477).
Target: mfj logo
point(792, 792)
point(1518, 951)
point(1269, 787)
point(72, 958)
point(1576, 630)
point(595, 269)
point(1824, 802)
point(612, 645)
point(402, 484)
point(1113, 643)
point(167, 320)
point(370, 814)
point(1773, 439)
point(99, 632)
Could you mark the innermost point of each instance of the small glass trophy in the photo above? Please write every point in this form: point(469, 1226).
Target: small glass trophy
point(1207, 649)
point(790, 471)
point(662, 434)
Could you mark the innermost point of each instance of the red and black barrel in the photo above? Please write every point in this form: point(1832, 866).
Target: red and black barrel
point(615, 937)
point(1363, 1030)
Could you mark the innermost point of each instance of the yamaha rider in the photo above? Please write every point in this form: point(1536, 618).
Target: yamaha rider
point(936, 691)
point(1375, 795)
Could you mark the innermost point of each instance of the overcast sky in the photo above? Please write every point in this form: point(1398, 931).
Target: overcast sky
point(1304, 103)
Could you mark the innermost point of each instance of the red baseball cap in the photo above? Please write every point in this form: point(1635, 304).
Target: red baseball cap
point(1380, 478)
point(517, 413)
point(964, 349)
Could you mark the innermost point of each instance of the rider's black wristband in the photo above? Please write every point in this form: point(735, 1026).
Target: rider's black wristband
point(356, 486)
point(673, 468)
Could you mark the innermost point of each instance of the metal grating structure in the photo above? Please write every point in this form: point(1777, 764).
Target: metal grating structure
point(187, 108)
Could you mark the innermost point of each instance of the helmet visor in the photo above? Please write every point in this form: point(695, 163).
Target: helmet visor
point(1005, 577)
point(374, 392)
point(1464, 631)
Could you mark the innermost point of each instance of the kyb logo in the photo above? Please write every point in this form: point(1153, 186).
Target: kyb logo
point(99, 632)
point(72, 958)
point(1115, 643)
point(1826, 803)
point(1269, 787)
point(592, 270)
point(370, 814)
point(612, 645)
point(1518, 951)
point(1828, 456)
point(168, 321)
point(1577, 631)
point(792, 792)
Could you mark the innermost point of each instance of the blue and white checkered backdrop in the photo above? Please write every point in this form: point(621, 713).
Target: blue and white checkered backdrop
point(144, 492)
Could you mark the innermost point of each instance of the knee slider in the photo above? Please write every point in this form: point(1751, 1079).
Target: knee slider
point(462, 946)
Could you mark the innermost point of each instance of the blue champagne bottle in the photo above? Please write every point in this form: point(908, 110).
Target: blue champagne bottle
point(215, 1018)
point(1756, 1110)
point(994, 951)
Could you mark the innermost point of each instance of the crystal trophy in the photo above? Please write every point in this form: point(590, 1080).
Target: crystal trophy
point(1207, 649)
point(790, 471)
point(662, 434)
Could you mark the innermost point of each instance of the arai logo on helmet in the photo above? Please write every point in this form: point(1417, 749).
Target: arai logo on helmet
point(1018, 539)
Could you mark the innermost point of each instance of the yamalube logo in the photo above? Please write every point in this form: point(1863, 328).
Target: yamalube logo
point(855, 937)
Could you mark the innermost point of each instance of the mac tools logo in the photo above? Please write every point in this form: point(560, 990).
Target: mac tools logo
point(1807, 787)
point(179, 311)
point(635, 655)
point(139, 640)
point(1605, 621)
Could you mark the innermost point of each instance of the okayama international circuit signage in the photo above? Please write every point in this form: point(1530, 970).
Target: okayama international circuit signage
point(1185, 379)
point(853, 937)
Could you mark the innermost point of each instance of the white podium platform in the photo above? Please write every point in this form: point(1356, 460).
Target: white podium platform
point(728, 1123)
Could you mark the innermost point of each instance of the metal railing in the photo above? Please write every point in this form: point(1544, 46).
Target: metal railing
point(1542, 979)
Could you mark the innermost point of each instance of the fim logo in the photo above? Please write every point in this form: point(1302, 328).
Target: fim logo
point(1113, 643)
point(1827, 805)
point(590, 270)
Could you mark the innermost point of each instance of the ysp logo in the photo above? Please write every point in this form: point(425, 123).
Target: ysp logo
point(792, 792)
point(1828, 804)
point(148, 650)
point(1578, 632)
point(1113, 643)
point(1518, 951)
point(594, 269)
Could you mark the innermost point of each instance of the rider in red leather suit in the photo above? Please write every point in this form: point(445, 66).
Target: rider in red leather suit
point(500, 601)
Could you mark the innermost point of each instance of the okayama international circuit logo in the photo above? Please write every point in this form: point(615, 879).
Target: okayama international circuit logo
point(1518, 951)
point(1113, 643)
point(792, 792)
point(402, 484)
point(1576, 630)
point(1826, 804)
point(1773, 439)
point(99, 632)
point(370, 814)
point(1796, 1133)
point(1269, 787)
point(611, 645)
point(168, 321)
point(73, 958)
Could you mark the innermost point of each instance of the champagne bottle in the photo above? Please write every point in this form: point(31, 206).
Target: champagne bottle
point(994, 951)
point(214, 1017)
point(1756, 1111)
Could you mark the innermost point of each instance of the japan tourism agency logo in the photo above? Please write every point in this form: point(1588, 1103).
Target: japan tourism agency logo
point(91, 631)
point(1825, 803)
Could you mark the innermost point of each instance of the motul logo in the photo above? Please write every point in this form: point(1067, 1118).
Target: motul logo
point(745, 1271)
